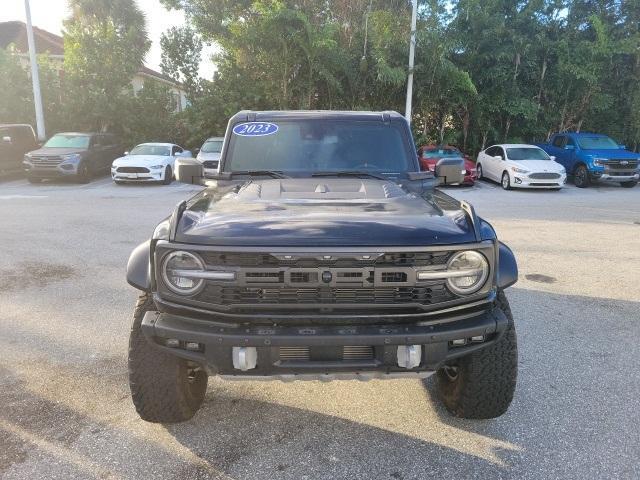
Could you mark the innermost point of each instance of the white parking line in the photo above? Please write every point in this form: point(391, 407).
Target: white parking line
point(13, 197)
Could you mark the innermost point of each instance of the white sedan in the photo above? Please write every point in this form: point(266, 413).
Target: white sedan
point(148, 162)
point(520, 166)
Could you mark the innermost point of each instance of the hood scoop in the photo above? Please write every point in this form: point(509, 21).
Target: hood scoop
point(320, 189)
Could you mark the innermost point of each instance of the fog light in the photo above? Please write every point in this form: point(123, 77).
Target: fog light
point(409, 356)
point(172, 342)
point(459, 342)
point(193, 346)
point(478, 338)
point(518, 180)
point(244, 358)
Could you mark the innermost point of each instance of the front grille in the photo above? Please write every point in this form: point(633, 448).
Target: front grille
point(318, 282)
point(46, 161)
point(210, 164)
point(425, 295)
point(133, 170)
point(544, 175)
point(621, 164)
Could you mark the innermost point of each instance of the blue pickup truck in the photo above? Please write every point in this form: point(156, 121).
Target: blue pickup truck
point(592, 157)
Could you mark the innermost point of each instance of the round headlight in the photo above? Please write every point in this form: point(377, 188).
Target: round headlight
point(176, 263)
point(470, 269)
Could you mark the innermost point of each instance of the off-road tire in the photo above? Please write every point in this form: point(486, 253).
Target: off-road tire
point(629, 184)
point(508, 183)
point(485, 380)
point(164, 388)
point(581, 177)
point(168, 176)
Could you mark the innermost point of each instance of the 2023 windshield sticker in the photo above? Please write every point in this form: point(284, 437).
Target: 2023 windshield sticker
point(255, 129)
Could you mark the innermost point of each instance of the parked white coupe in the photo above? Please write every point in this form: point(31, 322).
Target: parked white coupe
point(148, 162)
point(520, 166)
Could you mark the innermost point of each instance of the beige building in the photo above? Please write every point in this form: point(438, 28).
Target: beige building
point(14, 35)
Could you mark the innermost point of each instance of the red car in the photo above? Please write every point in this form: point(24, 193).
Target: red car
point(430, 154)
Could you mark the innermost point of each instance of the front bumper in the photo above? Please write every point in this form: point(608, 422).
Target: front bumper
point(57, 171)
point(523, 181)
point(615, 176)
point(470, 178)
point(210, 344)
point(152, 176)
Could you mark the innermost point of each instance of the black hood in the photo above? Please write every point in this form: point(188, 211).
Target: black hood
point(48, 151)
point(336, 212)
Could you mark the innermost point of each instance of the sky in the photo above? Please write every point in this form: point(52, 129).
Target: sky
point(49, 14)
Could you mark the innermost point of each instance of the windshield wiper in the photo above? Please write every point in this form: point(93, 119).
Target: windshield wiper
point(349, 173)
point(266, 173)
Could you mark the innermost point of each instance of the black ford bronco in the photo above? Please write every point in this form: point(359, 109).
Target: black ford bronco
point(320, 251)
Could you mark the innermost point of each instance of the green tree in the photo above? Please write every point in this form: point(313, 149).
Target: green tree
point(105, 43)
point(16, 100)
point(181, 56)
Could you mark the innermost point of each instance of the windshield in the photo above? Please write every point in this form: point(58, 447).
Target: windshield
point(321, 146)
point(440, 153)
point(597, 143)
point(212, 146)
point(524, 153)
point(161, 150)
point(68, 141)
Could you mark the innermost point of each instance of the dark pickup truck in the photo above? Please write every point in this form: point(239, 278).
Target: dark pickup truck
point(15, 141)
point(320, 251)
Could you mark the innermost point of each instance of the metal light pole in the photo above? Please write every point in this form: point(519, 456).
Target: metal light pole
point(412, 48)
point(35, 78)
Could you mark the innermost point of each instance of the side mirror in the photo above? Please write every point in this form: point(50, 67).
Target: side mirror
point(552, 157)
point(450, 171)
point(569, 147)
point(189, 170)
point(196, 151)
point(185, 154)
point(126, 153)
point(497, 157)
point(6, 139)
point(622, 147)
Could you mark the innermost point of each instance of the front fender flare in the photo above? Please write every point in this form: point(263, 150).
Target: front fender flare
point(139, 267)
point(507, 267)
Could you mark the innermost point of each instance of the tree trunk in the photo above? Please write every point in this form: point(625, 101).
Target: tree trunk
point(466, 120)
point(485, 133)
point(542, 74)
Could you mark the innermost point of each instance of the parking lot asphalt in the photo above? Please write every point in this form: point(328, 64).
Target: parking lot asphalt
point(65, 308)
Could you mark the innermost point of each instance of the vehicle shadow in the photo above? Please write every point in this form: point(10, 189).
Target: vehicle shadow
point(236, 434)
point(72, 180)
